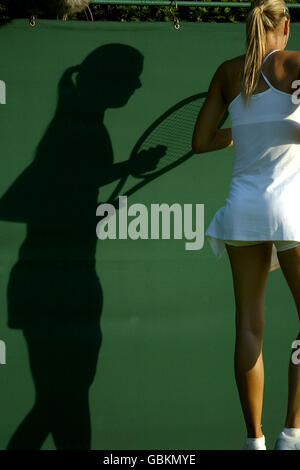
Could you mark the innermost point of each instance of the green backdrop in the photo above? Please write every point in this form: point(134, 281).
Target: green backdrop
point(164, 378)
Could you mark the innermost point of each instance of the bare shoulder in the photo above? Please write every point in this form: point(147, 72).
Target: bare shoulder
point(291, 56)
point(236, 60)
point(227, 65)
point(228, 70)
point(231, 68)
point(287, 63)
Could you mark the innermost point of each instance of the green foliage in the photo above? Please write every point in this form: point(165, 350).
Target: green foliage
point(141, 13)
point(162, 13)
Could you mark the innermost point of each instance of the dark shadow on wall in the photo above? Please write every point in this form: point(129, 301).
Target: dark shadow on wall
point(54, 294)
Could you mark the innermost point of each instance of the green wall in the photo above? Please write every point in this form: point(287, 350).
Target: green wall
point(164, 378)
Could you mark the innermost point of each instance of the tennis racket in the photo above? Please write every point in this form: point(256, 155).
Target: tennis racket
point(164, 145)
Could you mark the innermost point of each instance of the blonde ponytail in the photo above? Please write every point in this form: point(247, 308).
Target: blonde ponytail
point(264, 15)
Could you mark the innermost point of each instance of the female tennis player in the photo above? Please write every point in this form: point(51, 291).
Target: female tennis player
point(260, 223)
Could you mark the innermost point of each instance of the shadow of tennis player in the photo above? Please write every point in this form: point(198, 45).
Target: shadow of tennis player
point(54, 293)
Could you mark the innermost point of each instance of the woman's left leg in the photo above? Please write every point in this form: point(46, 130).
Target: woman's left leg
point(250, 267)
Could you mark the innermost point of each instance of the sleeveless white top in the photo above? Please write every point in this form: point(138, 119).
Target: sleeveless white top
point(263, 202)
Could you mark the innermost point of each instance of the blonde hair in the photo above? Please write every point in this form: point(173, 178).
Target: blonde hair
point(69, 7)
point(265, 15)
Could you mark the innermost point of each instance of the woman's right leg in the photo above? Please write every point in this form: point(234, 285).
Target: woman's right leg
point(290, 264)
point(250, 267)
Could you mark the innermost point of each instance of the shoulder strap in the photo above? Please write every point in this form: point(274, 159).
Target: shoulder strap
point(265, 78)
point(274, 50)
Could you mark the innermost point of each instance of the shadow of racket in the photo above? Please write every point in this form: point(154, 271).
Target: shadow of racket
point(166, 144)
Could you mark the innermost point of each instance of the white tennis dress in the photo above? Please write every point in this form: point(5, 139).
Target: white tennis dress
point(263, 202)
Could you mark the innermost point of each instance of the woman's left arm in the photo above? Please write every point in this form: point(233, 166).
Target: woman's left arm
point(207, 136)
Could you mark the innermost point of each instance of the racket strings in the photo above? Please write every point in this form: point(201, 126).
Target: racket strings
point(175, 133)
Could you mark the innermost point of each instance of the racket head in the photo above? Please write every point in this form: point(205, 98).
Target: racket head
point(168, 140)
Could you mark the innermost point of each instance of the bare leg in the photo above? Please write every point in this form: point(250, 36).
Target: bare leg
point(290, 264)
point(250, 267)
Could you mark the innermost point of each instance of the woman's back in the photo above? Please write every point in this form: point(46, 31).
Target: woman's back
point(262, 201)
point(266, 135)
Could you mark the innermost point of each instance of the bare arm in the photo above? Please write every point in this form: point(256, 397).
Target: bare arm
point(221, 139)
point(206, 135)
